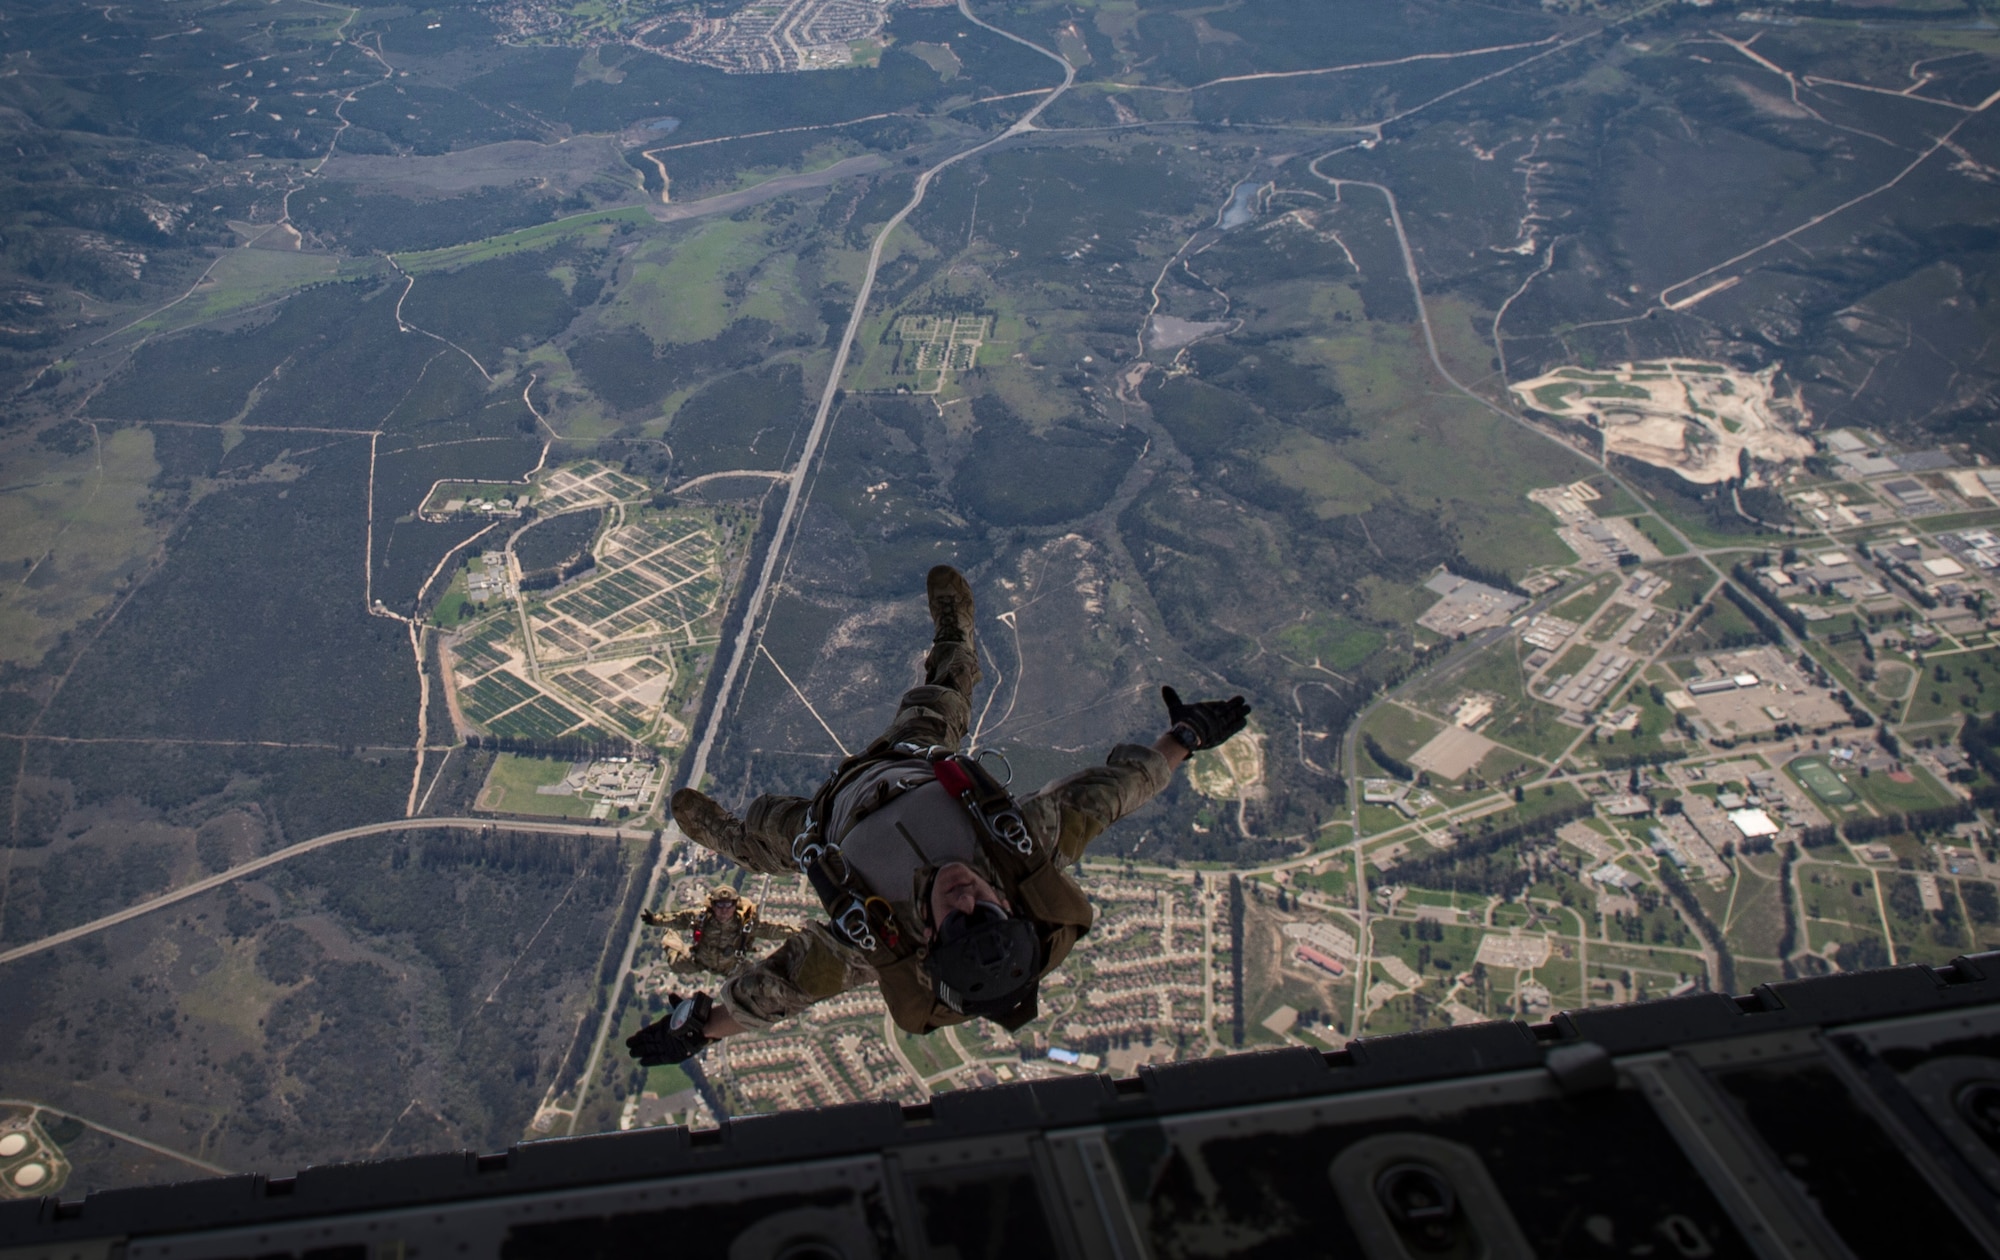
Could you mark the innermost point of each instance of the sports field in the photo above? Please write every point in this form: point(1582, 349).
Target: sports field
point(510, 788)
point(1825, 784)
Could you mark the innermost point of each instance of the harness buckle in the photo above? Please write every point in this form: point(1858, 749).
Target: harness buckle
point(853, 924)
point(981, 754)
point(806, 848)
point(1009, 827)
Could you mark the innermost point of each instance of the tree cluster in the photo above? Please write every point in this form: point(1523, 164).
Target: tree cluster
point(1633, 761)
point(1395, 766)
point(1755, 615)
point(1792, 617)
point(1916, 822)
point(1980, 738)
point(544, 579)
point(1236, 958)
point(1690, 906)
point(1468, 863)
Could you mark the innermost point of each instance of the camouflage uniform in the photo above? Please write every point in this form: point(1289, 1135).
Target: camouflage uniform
point(717, 946)
point(1062, 818)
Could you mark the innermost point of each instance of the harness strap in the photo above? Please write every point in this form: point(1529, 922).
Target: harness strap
point(986, 800)
point(991, 807)
point(848, 910)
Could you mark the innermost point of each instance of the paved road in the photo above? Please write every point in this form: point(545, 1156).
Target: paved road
point(201, 886)
point(747, 634)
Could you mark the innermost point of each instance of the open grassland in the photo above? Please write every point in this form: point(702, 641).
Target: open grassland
point(243, 279)
point(73, 529)
point(1588, 599)
point(1330, 642)
point(1891, 797)
point(1406, 419)
point(1401, 731)
point(1955, 684)
point(598, 224)
point(511, 783)
point(676, 288)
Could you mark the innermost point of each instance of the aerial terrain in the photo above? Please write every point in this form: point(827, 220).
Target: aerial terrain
point(434, 433)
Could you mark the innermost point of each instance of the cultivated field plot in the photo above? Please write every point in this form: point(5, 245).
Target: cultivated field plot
point(484, 649)
point(541, 719)
point(598, 658)
point(934, 346)
point(505, 703)
point(488, 698)
point(586, 485)
point(655, 579)
point(629, 691)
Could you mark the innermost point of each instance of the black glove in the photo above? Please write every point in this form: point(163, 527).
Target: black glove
point(677, 1038)
point(1206, 724)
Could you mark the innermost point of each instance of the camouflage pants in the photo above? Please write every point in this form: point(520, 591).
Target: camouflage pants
point(712, 961)
point(816, 964)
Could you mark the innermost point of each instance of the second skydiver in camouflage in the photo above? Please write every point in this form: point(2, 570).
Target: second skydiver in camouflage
point(720, 934)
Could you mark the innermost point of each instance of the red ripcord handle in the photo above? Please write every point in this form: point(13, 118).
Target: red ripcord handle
point(952, 776)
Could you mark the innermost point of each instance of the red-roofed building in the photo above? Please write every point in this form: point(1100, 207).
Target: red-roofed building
point(1324, 961)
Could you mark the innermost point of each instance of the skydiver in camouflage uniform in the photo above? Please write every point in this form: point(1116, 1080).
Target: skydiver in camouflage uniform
point(721, 933)
point(964, 929)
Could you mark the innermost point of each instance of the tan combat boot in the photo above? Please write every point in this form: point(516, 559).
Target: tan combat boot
point(951, 604)
point(707, 823)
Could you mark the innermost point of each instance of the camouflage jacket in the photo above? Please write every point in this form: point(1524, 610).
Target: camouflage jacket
point(1063, 818)
point(709, 946)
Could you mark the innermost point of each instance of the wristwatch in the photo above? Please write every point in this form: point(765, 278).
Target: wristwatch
point(1186, 735)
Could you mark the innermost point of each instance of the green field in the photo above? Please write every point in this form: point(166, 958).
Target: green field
point(243, 279)
point(1822, 781)
point(1613, 499)
point(928, 1055)
point(539, 236)
point(1400, 731)
point(1891, 797)
point(511, 783)
point(667, 1079)
point(1331, 642)
point(446, 615)
point(73, 524)
point(1955, 683)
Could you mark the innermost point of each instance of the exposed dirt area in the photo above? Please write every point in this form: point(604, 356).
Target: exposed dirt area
point(1695, 418)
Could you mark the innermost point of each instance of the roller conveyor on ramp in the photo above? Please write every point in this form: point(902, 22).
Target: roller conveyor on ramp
point(1853, 1115)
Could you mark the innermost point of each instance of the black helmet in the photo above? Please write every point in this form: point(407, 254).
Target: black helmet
point(986, 962)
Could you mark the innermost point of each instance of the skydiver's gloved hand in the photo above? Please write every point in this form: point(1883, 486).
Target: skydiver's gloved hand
point(677, 1038)
point(1207, 723)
